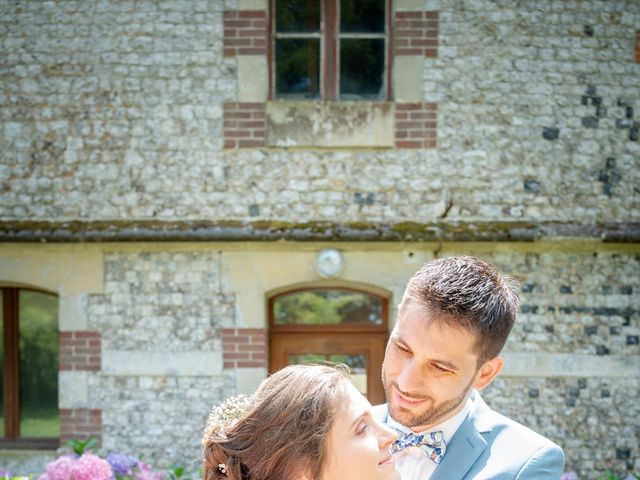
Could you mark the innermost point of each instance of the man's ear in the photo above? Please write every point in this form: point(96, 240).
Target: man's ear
point(488, 372)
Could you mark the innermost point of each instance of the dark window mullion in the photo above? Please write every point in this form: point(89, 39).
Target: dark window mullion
point(331, 67)
point(11, 363)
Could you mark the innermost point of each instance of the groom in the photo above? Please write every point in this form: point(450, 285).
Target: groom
point(454, 319)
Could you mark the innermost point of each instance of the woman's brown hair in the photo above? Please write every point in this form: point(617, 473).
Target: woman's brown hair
point(283, 433)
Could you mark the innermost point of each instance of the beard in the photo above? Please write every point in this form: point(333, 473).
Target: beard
point(432, 413)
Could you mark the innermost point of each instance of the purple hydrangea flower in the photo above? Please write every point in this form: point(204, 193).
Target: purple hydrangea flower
point(122, 464)
point(569, 476)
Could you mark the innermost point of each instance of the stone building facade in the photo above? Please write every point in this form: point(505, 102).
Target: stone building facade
point(151, 181)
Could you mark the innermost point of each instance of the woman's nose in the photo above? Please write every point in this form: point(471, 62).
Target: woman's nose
point(387, 435)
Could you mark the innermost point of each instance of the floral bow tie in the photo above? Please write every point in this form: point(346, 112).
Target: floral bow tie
point(432, 444)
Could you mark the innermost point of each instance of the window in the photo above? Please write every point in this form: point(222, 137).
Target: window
point(336, 324)
point(331, 49)
point(29, 356)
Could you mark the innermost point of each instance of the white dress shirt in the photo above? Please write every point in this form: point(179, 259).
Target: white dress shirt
point(412, 463)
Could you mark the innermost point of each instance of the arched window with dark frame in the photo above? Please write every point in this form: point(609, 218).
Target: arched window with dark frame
point(30, 356)
point(346, 324)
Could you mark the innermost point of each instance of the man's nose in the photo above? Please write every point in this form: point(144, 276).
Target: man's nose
point(411, 378)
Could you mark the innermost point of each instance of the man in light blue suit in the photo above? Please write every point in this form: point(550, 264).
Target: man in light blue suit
point(453, 321)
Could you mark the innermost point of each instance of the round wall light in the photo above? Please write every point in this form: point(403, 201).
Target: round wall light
point(329, 263)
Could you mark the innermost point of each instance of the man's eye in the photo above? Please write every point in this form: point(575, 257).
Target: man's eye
point(402, 348)
point(440, 369)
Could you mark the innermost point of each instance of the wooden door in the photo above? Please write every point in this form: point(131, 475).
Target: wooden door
point(356, 336)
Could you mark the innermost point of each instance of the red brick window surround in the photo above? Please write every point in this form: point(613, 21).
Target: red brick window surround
point(245, 32)
point(80, 350)
point(416, 33)
point(244, 348)
point(416, 125)
point(244, 125)
point(637, 46)
point(80, 423)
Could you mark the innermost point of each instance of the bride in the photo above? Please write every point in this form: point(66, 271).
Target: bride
point(305, 422)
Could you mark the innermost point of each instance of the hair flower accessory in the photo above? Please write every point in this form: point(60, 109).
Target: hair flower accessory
point(223, 468)
point(226, 415)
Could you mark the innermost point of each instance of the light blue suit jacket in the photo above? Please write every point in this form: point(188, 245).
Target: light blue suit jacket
point(490, 446)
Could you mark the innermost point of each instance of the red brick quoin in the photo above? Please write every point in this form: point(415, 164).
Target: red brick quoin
point(244, 348)
point(80, 424)
point(80, 350)
point(244, 125)
point(245, 32)
point(416, 125)
point(416, 33)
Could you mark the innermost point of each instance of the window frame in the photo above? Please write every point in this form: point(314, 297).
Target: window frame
point(10, 438)
point(330, 37)
point(325, 328)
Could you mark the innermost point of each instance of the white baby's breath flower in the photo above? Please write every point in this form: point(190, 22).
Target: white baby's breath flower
point(225, 415)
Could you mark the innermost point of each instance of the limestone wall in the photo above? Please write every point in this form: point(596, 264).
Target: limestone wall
point(114, 111)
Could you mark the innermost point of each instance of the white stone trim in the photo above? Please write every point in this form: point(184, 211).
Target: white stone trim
point(185, 364)
point(252, 4)
point(570, 365)
point(248, 379)
point(253, 78)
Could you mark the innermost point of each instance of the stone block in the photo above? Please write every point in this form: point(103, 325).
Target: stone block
point(183, 364)
point(253, 78)
point(73, 388)
point(408, 80)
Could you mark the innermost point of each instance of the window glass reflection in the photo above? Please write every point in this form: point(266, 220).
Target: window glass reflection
point(361, 68)
point(358, 16)
point(38, 320)
point(1, 363)
point(297, 16)
point(328, 307)
point(357, 365)
point(298, 67)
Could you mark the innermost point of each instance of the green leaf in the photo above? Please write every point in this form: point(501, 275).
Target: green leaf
point(80, 446)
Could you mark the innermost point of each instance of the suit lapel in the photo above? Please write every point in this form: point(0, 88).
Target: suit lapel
point(466, 445)
point(464, 448)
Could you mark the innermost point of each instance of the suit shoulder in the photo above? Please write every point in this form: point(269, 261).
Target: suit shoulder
point(510, 429)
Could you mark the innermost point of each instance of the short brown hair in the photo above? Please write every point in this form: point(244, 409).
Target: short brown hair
point(284, 430)
point(473, 294)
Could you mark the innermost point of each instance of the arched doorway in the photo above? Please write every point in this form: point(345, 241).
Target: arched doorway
point(347, 324)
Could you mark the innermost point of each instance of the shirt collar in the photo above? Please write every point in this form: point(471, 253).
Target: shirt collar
point(449, 427)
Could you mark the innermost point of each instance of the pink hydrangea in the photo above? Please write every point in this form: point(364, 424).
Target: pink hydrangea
point(145, 472)
point(91, 467)
point(60, 469)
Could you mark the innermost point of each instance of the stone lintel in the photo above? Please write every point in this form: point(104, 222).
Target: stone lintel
point(182, 364)
point(570, 365)
point(449, 231)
